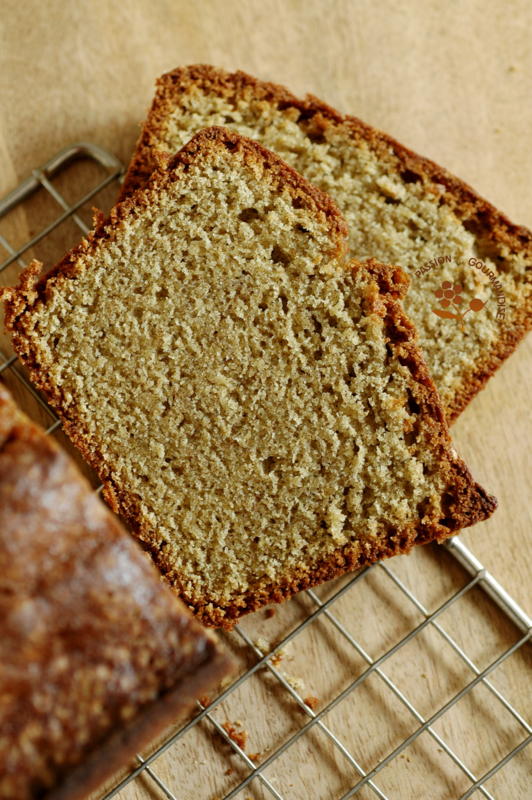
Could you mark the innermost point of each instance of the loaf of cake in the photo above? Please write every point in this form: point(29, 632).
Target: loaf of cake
point(97, 656)
point(256, 407)
point(400, 208)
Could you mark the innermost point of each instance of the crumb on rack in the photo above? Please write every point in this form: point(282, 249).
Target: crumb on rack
point(262, 644)
point(295, 683)
point(254, 756)
point(278, 657)
point(238, 737)
point(205, 701)
point(311, 701)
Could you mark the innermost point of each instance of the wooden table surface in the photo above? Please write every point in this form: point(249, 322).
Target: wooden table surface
point(453, 81)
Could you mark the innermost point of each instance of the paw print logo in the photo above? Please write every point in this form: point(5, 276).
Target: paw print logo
point(449, 294)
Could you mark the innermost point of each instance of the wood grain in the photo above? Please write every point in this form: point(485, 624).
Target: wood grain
point(453, 81)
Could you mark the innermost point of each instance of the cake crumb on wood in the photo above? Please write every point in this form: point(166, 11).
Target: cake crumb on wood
point(270, 612)
point(311, 701)
point(295, 683)
point(238, 737)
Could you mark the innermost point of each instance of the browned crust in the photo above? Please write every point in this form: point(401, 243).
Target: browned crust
point(120, 748)
point(466, 502)
point(492, 227)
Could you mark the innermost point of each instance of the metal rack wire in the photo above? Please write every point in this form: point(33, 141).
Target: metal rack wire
point(42, 179)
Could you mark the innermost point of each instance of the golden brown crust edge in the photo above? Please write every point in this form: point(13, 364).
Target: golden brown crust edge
point(315, 117)
point(467, 505)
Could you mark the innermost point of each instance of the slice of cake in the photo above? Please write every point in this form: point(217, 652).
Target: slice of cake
point(400, 208)
point(256, 407)
point(97, 656)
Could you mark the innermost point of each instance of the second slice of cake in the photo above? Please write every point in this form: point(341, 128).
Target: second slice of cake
point(257, 408)
point(400, 208)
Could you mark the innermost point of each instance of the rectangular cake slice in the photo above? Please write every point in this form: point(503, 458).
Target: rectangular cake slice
point(97, 656)
point(256, 406)
point(400, 208)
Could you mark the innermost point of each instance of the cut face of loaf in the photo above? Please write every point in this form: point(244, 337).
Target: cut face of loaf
point(400, 208)
point(257, 408)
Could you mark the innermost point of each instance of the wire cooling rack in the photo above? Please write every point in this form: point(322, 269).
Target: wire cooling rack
point(330, 622)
